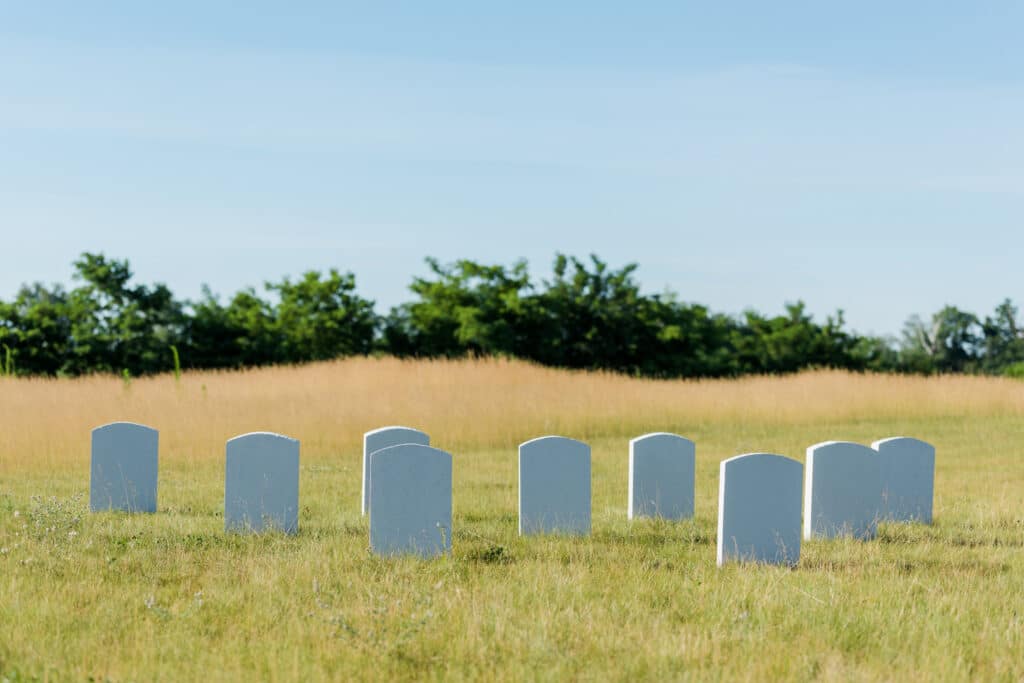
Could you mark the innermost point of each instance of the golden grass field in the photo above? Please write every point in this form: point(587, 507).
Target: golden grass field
point(171, 597)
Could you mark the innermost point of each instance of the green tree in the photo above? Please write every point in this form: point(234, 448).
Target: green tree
point(688, 340)
point(116, 326)
point(791, 342)
point(594, 318)
point(950, 342)
point(1003, 339)
point(318, 319)
point(587, 315)
point(463, 308)
point(36, 326)
point(103, 325)
point(240, 334)
point(877, 354)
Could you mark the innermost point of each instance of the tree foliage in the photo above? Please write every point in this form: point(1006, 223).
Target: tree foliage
point(585, 314)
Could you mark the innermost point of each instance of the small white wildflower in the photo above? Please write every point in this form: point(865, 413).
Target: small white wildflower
point(72, 534)
point(4, 551)
point(150, 602)
point(17, 514)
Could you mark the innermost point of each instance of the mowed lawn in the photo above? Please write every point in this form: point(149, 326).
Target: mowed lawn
point(172, 597)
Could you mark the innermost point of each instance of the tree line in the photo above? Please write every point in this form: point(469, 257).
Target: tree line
point(584, 315)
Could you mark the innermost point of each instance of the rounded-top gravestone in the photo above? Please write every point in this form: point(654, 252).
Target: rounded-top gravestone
point(908, 479)
point(411, 501)
point(261, 483)
point(661, 476)
point(842, 490)
point(386, 437)
point(759, 509)
point(554, 486)
point(123, 468)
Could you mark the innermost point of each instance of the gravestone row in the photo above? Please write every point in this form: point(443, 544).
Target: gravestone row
point(846, 488)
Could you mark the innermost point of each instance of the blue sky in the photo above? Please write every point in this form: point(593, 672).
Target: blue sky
point(865, 156)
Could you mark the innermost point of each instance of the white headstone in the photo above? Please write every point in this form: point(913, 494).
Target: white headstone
point(385, 437)
point(261, 487)
point(554, 486)
point(123, 469)
point(661, 479)
point(411, 501)
point(908, 479)
point(759, 509)
point(842, 490)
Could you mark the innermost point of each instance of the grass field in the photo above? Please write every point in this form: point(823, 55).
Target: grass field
point(171, 597)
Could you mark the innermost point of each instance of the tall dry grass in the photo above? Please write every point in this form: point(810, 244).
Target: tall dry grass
point(463, 404)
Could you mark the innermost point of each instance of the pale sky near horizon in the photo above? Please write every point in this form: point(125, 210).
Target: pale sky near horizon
point(863, 156)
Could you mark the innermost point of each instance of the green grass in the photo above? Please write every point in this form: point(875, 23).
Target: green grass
point(171, 597)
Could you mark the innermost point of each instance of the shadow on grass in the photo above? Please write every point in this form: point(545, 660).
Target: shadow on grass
point(487, 554)
point(832, 564)
point(191, 511)
point(976, 567)
point(657, 533)
point(958, 536)
point(482, 518)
